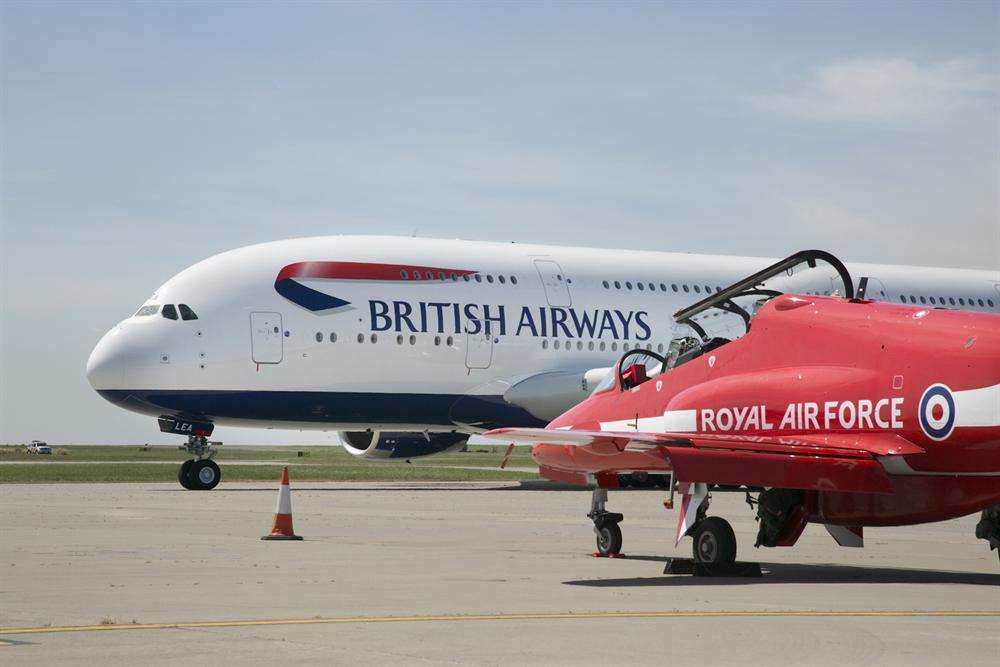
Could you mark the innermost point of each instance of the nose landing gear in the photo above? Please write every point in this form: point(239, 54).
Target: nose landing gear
point(609, 535)
point(199, 473)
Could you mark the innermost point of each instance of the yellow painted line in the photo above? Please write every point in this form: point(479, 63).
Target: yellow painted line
point(541, 616)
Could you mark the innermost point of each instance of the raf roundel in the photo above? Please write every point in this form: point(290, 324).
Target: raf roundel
point(937, 412)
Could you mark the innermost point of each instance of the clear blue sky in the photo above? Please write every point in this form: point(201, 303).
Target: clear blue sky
point(141, 137)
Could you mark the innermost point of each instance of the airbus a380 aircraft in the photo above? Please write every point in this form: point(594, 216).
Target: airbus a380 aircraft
point(409, 345)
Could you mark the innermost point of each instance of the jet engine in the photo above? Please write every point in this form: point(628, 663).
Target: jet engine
point(388, 445)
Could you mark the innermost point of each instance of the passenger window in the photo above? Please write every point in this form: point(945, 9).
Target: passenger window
point(361, 338)
point(990, 301)
point(555, 344)
point(479, 278)
point(923, 300)
point(545, 344)
point(333, 337)
point(686, 290)
point(618, 285)
point(673, 286)
point(399, 339)
point(489, 278)
point(640, 286)
point(961, 301)
point(513, 280)
point(450, 341)
point(319, 337)
point(501, 279)
point(663, 288)
point(697, 289)
point(981, 303)
point(413, 340)
point(170, 312)
point(933, 302)
point(628, 285)
point(951, 300)
point(403, 274)
point(606, 285)
point(186, 312)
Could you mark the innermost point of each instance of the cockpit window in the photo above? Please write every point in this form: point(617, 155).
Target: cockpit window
point(186, 312)
point(679, 347)
point(146, 311)
point(170, 312)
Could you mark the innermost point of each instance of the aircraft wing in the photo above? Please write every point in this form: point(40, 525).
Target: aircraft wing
point(831, 462)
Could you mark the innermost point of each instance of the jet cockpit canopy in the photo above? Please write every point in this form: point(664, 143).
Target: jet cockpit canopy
point(721, 317)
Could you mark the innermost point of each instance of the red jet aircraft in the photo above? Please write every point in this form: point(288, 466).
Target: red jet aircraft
point(831, 408)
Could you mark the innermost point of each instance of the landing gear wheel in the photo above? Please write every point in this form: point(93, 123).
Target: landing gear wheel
point(609, 539)
point(183, 474)
point(714, 541)
point(204, 475)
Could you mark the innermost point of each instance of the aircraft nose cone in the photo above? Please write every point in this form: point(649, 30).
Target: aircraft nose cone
point(106, 366)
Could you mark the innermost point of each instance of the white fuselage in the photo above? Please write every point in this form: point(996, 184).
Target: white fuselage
point(337, 333)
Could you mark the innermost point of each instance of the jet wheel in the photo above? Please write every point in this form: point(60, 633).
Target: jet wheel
point(714, 541)
point(204, 475)
point(183, 474)
point(609, 539)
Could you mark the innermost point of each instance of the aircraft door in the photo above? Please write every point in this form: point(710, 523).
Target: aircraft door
point(478, 350)
point(555, 283)
point(266, 338)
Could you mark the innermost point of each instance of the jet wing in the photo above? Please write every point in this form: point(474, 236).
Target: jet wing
point(831, 462)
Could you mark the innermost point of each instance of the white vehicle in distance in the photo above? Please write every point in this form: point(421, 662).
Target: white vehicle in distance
point(38, 447)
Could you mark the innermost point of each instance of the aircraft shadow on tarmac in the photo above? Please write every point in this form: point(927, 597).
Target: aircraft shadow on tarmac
point(794, 573)
point(528, 485)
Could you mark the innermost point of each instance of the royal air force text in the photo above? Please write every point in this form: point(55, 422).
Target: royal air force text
point(883, 413)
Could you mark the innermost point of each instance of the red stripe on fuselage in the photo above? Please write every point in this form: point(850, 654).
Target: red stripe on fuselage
point(365, 271)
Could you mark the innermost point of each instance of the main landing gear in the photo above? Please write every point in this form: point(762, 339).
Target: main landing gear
point(199, 473)
point(609, 535)
point(713, 542)
point(988, 527)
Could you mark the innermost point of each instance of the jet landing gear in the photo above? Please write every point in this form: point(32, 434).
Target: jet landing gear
point(713, 542)
point(199, 473)
point(609, 535)
point(988, 527)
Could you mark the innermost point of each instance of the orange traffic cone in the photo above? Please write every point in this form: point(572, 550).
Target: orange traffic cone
point(283, 513)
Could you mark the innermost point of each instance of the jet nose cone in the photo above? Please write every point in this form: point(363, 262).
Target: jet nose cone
point(105, 367)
